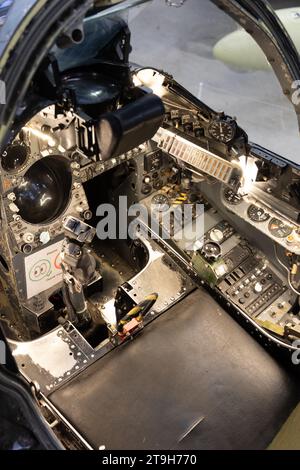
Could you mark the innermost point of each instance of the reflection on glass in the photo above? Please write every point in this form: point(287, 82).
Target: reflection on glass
point(182, 41)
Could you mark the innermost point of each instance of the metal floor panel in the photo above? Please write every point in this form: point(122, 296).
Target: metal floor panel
point(194, 379)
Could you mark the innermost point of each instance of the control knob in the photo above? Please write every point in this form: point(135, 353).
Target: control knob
point(258, 288)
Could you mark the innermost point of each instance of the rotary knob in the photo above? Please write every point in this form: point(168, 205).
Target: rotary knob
point(45, 237)
point(258, 288)
point(211, 251)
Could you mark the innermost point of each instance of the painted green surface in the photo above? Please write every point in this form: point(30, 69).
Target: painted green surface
point(288, 437)
point(239, 50)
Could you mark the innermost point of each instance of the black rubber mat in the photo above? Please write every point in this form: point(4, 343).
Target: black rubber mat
point(194, 379)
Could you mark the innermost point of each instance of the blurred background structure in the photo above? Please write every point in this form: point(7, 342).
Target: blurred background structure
point(181, 41)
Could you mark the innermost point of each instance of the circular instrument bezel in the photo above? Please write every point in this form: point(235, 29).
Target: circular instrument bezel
point(237, 199)
point(277, 232)
point(223, 129)
point(160, 203)
point(264, 216)
point(210, 254)
point(216, 235)
point(14, 147)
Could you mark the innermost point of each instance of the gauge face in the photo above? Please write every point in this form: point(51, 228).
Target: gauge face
point(216, 235)
point(279, 229)
point(160, 203)
point(232, 197)
point(41, 197)
point(257, 214)
point(211, 250)
point(223, 130)
point(14, 157)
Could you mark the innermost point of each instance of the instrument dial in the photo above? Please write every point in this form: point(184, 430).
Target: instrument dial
point(232, 197)
point(216, 235)
point(279, 229)
point(160, 202)
point(257, 214)
point(211, 251)
point(223, 129)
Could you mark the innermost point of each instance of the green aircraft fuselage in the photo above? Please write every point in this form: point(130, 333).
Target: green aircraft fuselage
point(238, 49)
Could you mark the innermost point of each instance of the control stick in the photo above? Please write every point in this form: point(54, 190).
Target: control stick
point(79, 268)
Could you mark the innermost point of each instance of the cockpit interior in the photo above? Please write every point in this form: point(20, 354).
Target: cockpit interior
point(149, 256)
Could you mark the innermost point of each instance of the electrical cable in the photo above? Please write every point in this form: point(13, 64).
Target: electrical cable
point(287, 269)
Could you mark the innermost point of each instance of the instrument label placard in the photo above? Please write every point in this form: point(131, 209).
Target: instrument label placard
point(43, 269)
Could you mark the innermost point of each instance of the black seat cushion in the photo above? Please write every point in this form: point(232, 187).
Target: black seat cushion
point(194, 379)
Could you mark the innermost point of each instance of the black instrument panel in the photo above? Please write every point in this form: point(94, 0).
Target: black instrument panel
point(257, 214)
point(279, 229)
point(223, 129)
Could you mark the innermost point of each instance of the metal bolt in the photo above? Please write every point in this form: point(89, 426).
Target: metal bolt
point(88, 215)
point(28, 237)
point(11, 196)
point(75, 166)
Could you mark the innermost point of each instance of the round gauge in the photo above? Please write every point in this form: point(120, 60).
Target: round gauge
point(279, 229)
point(223, 129)
point(160, 202)
point(216, 235)
point(211, 251)
point(14, 157)
point(41, 197)
point(232, 197)
point(257, 214)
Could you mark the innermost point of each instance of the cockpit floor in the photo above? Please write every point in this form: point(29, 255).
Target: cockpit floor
point(194, 379)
